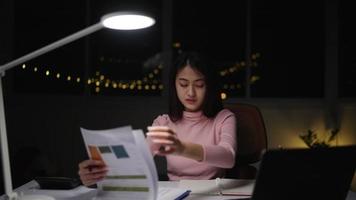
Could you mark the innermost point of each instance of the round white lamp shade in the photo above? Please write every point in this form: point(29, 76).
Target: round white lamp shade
point(126, 21)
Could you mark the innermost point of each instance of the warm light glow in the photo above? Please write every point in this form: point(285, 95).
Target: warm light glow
point(176, 45)
point(23, 66)
point(223, 95)
point(126, 21)
point(47, 73)
point(58, 75)
point(97, 89)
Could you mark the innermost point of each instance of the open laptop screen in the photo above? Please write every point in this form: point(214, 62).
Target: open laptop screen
point(320, 173)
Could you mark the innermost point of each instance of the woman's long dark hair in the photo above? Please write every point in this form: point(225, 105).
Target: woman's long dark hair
point(212, 103)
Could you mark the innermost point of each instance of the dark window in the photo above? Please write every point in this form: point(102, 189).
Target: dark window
point(289, 35)
point(107, 62)
point(347, 56)
point(216, 29)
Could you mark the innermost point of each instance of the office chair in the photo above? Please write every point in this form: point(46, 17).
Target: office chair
point(251, 140)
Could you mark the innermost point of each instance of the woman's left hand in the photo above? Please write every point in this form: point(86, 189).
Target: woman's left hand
point(167, 139)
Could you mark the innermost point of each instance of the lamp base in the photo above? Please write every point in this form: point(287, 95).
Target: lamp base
point(35, 197)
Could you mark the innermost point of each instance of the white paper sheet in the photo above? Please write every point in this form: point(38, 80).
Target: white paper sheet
point(129, 173)
point(132, 173)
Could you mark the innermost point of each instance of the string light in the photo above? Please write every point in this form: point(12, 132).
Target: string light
point(238, 66)
point(151, 81)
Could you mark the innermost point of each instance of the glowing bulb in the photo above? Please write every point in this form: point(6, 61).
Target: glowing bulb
point(223, 95)
point(126, 21)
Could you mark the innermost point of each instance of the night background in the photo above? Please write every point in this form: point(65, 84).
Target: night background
point(292, 58)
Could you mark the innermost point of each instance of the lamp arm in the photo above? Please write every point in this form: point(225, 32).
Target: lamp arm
point(50, 47)
point(3, 135)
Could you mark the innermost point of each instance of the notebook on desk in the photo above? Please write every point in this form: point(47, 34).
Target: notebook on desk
point(323, 173)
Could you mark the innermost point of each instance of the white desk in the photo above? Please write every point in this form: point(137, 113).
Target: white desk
point(84, 193)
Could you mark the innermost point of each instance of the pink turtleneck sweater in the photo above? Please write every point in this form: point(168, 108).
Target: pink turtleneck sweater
point(217, 137)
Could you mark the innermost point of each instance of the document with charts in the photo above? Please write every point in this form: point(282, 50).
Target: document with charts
point(132, 173)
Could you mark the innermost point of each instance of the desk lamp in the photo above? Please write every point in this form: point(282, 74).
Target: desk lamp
point(116, 20)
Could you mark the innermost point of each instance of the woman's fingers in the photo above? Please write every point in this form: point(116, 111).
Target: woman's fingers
point(160, 129)
point(92, 178)
point(166, 138)
point(92, 171)
point(161, 135)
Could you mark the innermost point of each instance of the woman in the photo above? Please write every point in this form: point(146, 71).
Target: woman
point(197, 136)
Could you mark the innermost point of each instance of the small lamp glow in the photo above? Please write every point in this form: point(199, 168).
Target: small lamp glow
point(126, 21)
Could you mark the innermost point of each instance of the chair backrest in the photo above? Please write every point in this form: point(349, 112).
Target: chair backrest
point(250, 133)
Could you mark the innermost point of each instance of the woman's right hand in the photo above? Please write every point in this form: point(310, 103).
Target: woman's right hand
point(92, 171)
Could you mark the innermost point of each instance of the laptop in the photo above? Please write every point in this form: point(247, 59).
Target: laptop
point(303, 174)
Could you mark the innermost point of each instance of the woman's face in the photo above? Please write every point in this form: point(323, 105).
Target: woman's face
point(191, 88)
